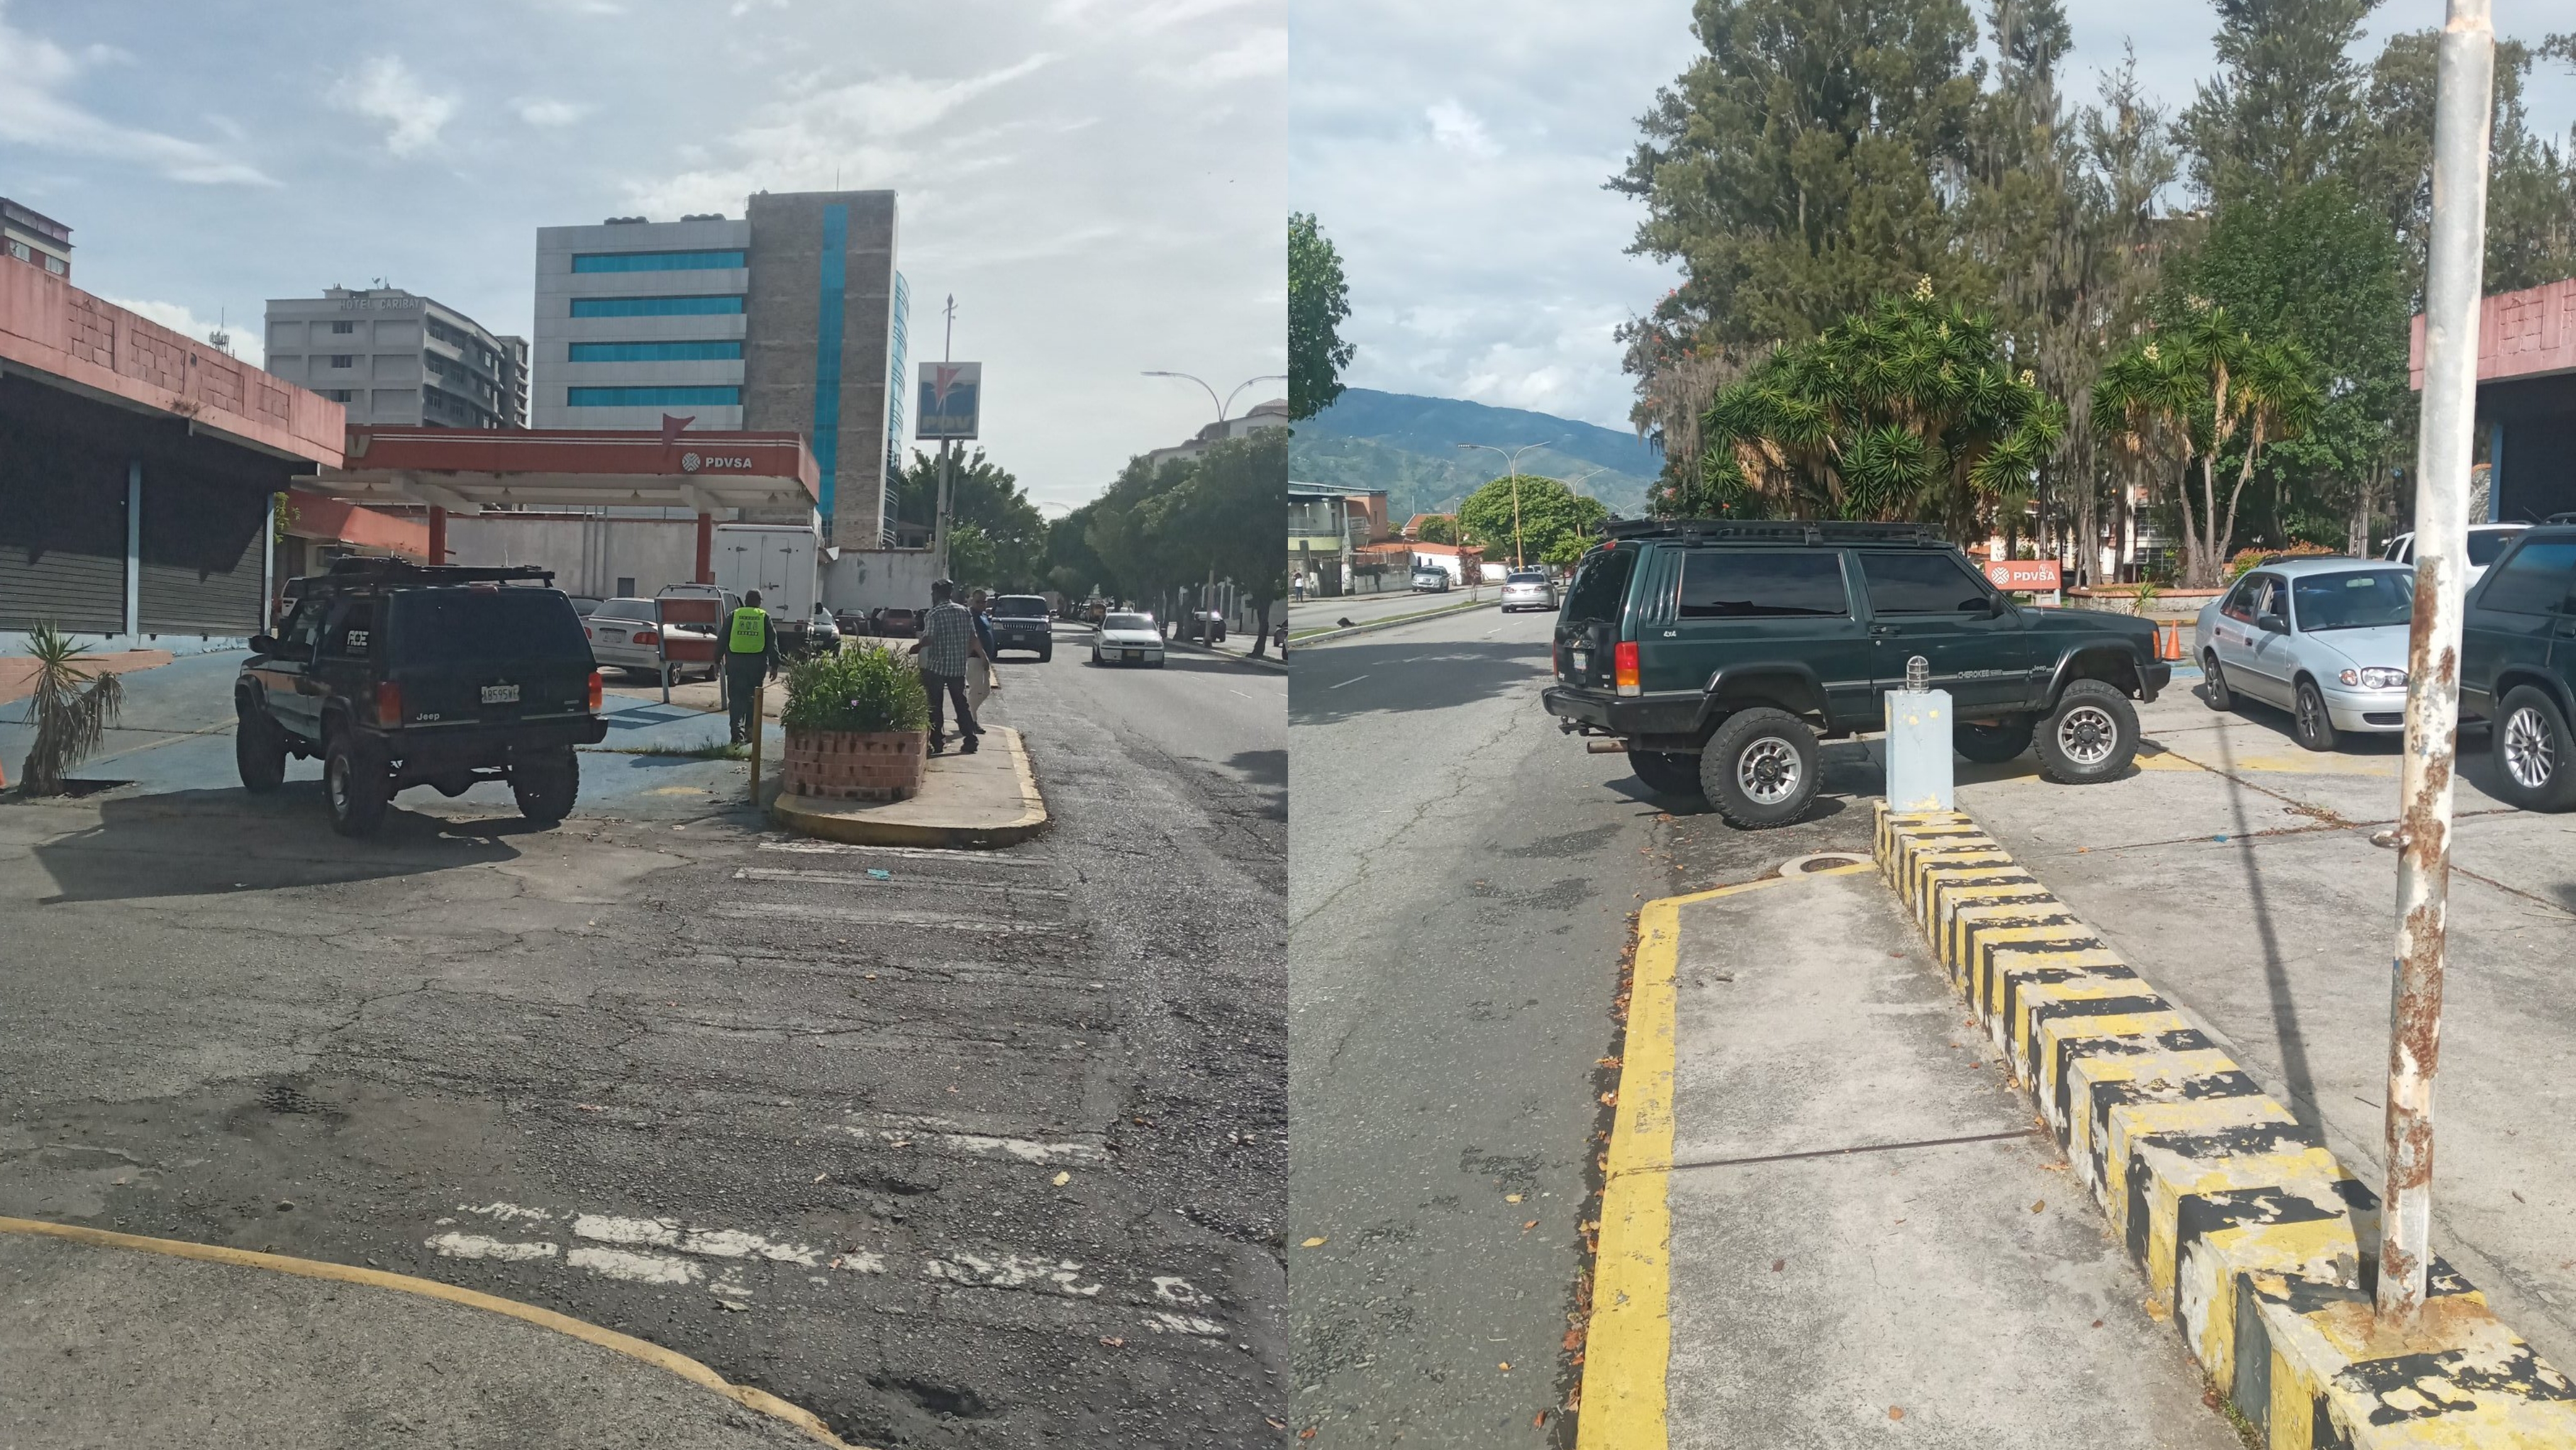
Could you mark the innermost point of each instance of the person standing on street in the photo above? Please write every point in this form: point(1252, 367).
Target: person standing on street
point(948, 647)
point(982, 677)
point(751, 657)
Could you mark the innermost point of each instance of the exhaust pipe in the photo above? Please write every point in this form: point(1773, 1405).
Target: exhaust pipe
point(1606, 747)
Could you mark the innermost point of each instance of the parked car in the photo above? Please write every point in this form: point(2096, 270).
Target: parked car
point(894, 623)
point(2518, 667)
point(396, 674)
point(583, 604)
point(627, 634)
point(2486, 543)
point(2323, 638)
point(1127, 638)
point(1207, 624)
point(1020, 622)
point(1430, 579)
point(1528, 589)
point(1719, 652)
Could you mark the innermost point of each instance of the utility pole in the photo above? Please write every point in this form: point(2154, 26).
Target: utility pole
point(2463, 114)
point(939, 520)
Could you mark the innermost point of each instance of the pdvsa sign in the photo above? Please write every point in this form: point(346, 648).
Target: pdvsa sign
point(715, 462)
point(2023, 576)
point(951, 395)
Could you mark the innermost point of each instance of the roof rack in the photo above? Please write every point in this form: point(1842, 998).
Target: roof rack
point(376, 570)
point(1773, 531)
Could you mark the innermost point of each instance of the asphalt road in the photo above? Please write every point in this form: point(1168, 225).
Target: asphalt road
point(984, 1150)
point(1463, 895)
point(1361, 608)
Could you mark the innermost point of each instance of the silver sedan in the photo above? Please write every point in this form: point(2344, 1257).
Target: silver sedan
point(2322, 638)
point(1528, 589)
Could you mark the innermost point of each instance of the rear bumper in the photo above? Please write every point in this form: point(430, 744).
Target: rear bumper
point(470, 745)
point(1622, 715)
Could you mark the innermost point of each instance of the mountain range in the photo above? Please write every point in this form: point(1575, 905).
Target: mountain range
point(1408, 446)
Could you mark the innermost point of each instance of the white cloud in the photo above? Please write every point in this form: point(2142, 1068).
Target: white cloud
point(543, 112)
point(1262, 53)
point(1456, 128)
point(384, 89)
point(247, 343)
point(34, 111)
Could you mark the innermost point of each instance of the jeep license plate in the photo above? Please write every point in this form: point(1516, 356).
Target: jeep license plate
point(1582, 662)
point(500, 694)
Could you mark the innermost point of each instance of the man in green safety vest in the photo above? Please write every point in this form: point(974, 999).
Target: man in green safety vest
point(751, 656)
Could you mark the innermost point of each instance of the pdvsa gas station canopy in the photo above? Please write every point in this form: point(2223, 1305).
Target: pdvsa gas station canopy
point(467, 470)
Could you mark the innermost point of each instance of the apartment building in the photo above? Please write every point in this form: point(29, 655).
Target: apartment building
point(391, 356)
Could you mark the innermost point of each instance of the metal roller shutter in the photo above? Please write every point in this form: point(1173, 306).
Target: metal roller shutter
point(62, 535)
point(204, 546)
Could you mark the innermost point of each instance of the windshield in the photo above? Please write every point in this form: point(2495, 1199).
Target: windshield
point(1020, 606)
point(1600, 588)
point(2353, 599)
point(1129, 621)
point(461, 626)
point(625, 609)
point(1525, 578)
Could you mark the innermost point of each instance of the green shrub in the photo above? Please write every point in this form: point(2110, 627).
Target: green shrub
point(863, 688)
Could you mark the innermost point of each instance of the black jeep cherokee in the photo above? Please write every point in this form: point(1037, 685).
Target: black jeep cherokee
point(395, 675)
point(1718, 653)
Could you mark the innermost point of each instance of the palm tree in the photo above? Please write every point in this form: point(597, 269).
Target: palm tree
point(2190, 394)
point(71, 708)
point(1910, 411)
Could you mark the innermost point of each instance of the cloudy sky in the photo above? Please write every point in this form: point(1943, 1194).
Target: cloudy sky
point(1100, 182)
point(1455, 150)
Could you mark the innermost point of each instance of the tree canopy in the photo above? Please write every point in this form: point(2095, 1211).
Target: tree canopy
point(1319, 301)
point(1552, 516)
point(997, 538)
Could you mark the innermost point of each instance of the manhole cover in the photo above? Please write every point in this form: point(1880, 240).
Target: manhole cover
point(1808, 865)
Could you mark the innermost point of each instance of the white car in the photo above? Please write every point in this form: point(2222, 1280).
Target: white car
point(626, 634)
point(2486, 544)
point(2323, 638)
point(1128, 639)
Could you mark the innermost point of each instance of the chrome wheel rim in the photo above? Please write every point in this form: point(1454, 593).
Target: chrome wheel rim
point(1767, 772)
point(2086, 734)
point(2311, 715)
point(2530, 756)
point(335, 778)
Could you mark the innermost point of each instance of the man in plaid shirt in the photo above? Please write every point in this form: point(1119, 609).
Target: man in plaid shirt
point(946, 647)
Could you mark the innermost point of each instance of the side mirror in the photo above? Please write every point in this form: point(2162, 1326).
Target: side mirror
point(2272, 624)
point(1997, 606)
point(262, 644)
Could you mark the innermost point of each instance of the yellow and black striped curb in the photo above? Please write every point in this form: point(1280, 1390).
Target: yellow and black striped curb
point(2257, 1241)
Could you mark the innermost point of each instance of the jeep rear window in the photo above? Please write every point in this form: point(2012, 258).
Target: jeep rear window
point(1920, 583)
point(460, 626)
point(1600, 590)
point(1729, 584)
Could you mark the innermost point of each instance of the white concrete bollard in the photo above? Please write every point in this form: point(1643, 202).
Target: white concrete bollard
point(1918, 744)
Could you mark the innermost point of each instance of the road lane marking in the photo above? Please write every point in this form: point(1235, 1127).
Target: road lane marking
point(475, 1246)
point(901, 853)
point(1012, 1271)
point(1353, 680)
point(635, 1268)
point(844, 878)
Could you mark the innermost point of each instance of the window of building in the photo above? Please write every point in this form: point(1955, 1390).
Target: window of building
point(57, 266)
point(22, 251)
point(337, 395)
point(654, 261)
point(656, 352)
point(654, 397)
point(344, 326)
point(654, 306)
point(344, 359)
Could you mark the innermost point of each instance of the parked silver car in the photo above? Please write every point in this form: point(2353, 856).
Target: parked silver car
point(2323, 638)
point(1528, 589)
point(626, 634)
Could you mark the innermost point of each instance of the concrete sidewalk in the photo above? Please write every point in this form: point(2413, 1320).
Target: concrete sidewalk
point(1831, 1221)
point(113, 1342)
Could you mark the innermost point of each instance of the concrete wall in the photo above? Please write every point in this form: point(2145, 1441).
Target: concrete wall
point(784, 337)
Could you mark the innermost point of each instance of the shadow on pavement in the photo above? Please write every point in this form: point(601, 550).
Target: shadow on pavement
point(216, 842)
point(1215, 664)
point(1452, 673)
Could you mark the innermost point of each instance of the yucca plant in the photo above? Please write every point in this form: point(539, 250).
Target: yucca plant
point(72, 708)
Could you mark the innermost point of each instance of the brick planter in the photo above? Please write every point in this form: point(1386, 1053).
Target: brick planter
point(856, 765)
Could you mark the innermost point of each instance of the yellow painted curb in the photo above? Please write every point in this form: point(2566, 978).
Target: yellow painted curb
point(788, 811)
point(608, 1339)
point(1629, 1342)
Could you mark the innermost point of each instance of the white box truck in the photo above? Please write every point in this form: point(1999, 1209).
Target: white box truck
point(779, 560)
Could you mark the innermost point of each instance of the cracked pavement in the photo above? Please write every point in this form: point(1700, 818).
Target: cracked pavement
point(985, 1150)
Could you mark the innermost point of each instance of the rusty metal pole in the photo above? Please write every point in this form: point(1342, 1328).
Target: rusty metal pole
point(2462, 114)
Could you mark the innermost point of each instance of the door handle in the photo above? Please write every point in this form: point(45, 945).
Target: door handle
point(1881, 631)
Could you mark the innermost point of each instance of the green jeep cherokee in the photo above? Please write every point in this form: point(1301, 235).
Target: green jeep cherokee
point(1719, 653)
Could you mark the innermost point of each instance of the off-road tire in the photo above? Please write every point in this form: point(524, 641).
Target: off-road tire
point(2541, 738)
point(1046, 654)
point(2090, 737)
point(2214, 683)
point(1991, 743)
point(1765, 750)
point(545, 784)
point(1666, 773)
point(259, 751)
point(2310, 725)
point(355, 788)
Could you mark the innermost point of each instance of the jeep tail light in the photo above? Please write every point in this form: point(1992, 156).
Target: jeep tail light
point(647, 636)
point(595, 692)
point(1623, 667)
point(388, 703)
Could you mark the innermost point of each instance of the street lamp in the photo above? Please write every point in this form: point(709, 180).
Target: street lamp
point(1223, 406)
point(1513, 461)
